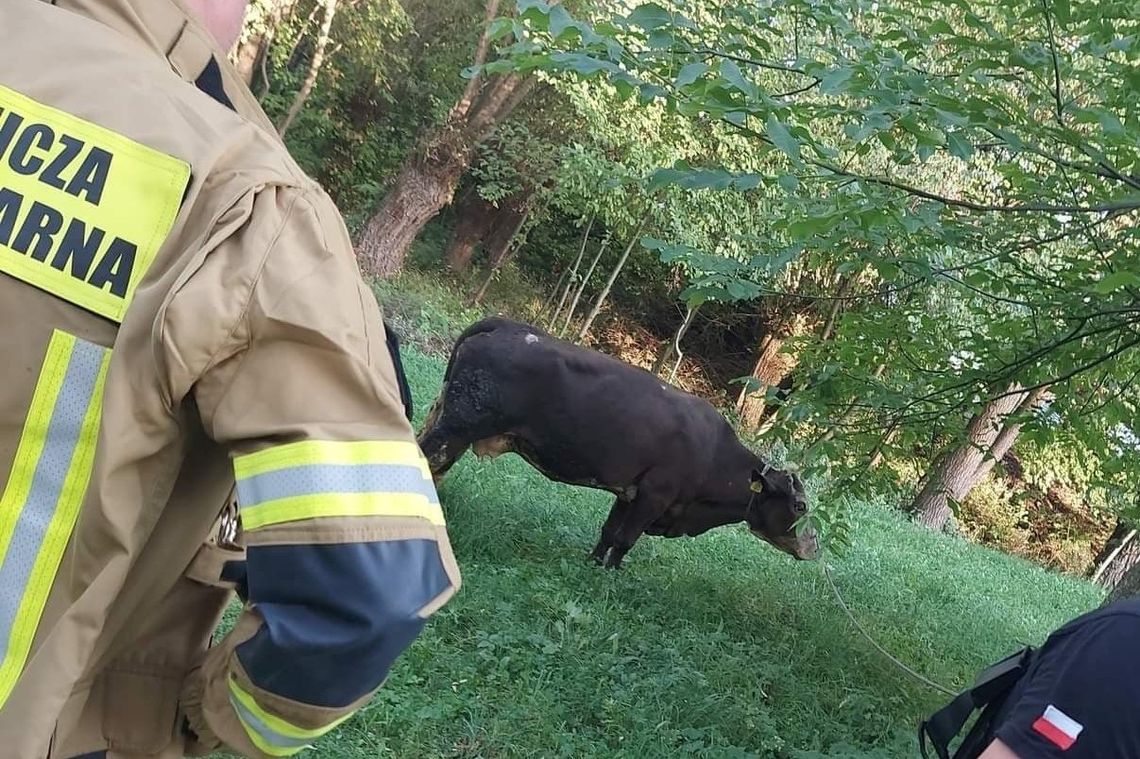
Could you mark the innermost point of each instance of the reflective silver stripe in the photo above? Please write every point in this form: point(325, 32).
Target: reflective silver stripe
point(268, 734)
point(315, 479)
point(63, 432)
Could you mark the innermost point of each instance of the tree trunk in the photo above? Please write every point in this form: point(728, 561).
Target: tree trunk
point(597, 309)
point(674, 345)
point(1123, 574)
point(1120, 532)
point(956, 471)
point(1009, 433)
point(314, 68)
point(249, 52)
point(772, 367)
point(841, 291)
point(573, 271)
point(581, 285)
point(255, 44)
point(421, 189)
point(508, 222)
point(474, 217)
point(554, 298)
point(428, 179)
point(498, 258)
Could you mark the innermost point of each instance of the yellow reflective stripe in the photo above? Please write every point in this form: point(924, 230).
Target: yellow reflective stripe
point(341, 505)
point(270, 733)
point(45, 491)
point(34, 434)
point(330, 452)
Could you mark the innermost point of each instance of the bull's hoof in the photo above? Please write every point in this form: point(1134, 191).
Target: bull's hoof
point(607, 556)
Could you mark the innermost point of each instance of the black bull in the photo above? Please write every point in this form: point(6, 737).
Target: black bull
point(674, 464)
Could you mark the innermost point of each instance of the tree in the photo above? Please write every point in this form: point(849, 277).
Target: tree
point(428, 178)
point(1129, 584)
point(474, 219)
point(773, 367)
point(957, 470)
point(1120, 554)
point(573, 307)
point(263, 18)
point(504, 241)
point(597, 309)
point(569, 275)
point(314, 67)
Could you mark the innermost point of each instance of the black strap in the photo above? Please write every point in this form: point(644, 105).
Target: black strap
point(988, 693)
point(393, 340)
point(210, 82)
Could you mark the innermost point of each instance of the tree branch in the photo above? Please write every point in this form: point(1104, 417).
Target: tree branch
point(1131, 204)
point(463, 105)
point(749, 61)
point(1056, 65)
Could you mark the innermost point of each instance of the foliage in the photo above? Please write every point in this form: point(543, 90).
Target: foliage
point(975, 165)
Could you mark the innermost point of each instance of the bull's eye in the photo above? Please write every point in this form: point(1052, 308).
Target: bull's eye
point(799, 509)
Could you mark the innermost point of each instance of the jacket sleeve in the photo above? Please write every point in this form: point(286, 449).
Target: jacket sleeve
point(280, 346)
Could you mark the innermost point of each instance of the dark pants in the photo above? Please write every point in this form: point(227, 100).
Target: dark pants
point(95, 755)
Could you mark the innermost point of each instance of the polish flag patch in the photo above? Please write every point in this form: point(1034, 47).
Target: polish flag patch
point(1058, 728)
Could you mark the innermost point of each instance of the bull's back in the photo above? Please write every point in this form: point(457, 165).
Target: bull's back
point(581, 415)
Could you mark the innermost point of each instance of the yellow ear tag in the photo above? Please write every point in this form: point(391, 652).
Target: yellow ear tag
point(757, 486)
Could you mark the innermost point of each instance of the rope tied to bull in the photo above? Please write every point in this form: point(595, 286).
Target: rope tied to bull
point(893, 659)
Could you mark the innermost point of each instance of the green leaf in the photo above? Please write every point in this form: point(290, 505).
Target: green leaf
point(1062, 12)
point(582, 63)
point(1116, 280)
point(788, 183)
point(782, 138)
point(690, 73)
point(746, 182)
point(959, 146)
point(939, 27)
point(1109, 122)
point(691, 179)
point(806, 228)
point(562, 24)
point(732, 73)
point(501, 27)
point(650, 16)
point(836, 80)
point(948, 118)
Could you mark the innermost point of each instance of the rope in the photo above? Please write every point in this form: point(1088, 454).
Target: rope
point(880, 649)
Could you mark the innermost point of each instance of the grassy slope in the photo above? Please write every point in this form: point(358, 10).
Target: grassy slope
point(715, 646)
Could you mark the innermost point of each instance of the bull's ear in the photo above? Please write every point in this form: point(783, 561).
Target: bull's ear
point(758, 483)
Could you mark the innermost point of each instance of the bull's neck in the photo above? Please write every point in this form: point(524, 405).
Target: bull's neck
point(728, 490)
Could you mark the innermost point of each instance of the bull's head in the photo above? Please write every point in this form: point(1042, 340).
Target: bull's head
point(777, 503)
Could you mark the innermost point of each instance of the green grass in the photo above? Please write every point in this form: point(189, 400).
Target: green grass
point(716, 646)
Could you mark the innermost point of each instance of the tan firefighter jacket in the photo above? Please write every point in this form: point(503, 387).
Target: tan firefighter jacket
point(180, 313)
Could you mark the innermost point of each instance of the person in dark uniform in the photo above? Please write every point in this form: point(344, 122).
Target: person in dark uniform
point(1081, 696)
point(1078, 698)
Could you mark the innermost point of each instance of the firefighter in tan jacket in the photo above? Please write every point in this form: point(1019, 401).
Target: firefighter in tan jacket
point(186, 337)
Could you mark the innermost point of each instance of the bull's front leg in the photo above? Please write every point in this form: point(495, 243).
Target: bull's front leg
point(609, 529)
